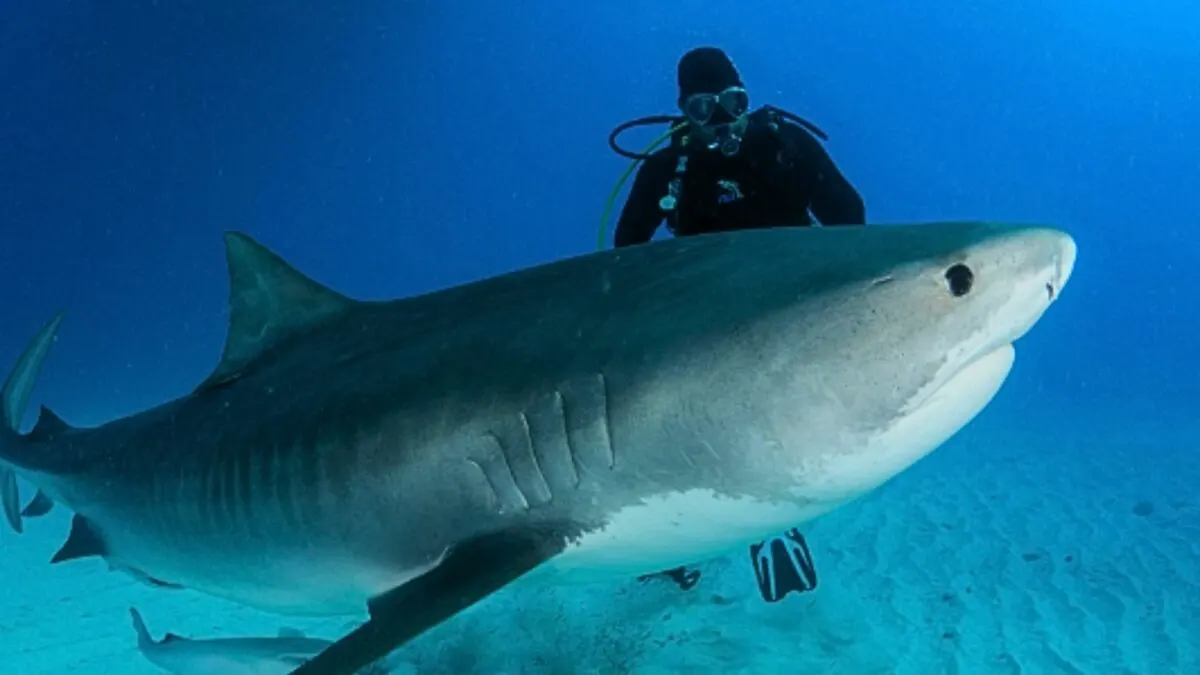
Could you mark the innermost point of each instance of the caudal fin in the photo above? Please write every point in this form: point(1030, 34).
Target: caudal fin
point(14, 399)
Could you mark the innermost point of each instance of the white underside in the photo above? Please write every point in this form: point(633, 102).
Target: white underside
point(671, 530)
point(912, 436)
point(675, 529)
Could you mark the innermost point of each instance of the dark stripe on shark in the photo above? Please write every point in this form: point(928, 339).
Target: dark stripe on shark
point(244, 496)
point(290, 482)
point(210, 489)
point(308, 497)
point(286, 480)
point(234, 481)
point(344, 442)
point(266, 476)
point(341, 441)
point(549, 448)
point(307, 470)
point(227, 479)
point(296, 476)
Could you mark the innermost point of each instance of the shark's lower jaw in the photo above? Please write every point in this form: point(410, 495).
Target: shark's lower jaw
point(914, 433)
point(964, 395)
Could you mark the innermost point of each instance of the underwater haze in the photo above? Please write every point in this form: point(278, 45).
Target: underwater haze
point(390, 148)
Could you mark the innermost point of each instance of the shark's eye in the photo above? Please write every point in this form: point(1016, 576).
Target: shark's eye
point(959, 280)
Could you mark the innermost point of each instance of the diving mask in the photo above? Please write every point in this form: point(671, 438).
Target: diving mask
point(701, 109)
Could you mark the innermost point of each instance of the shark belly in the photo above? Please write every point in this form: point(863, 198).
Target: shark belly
point(329, 563)
point(315, 582)
point(673, 529)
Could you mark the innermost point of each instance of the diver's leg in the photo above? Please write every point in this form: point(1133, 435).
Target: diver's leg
point(683, 577)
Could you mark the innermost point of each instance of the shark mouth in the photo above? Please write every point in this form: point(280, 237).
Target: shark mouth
point(979, 378)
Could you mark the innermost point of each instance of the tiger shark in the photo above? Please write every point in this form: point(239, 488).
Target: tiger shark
point(609, 415)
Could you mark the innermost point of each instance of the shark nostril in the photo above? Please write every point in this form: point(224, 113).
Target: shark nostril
point(1050, 290)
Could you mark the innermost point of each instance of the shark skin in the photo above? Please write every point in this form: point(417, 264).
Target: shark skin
point(605, 416)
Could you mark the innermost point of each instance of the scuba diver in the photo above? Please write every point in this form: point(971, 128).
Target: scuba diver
point(730, 168)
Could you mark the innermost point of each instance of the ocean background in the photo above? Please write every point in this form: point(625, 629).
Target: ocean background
point(391, 148)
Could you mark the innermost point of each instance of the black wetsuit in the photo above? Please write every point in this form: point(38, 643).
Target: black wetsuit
point(780, 175)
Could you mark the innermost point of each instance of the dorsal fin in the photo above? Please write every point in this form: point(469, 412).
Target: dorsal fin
point(269, 302)
point(48, 425)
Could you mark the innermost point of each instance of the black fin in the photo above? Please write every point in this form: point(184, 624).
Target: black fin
point(48, 425)
point(684, 578)
point(783, 565)
point(37, 507)
point(269, 302)
point(471, 572)
point(83, 542)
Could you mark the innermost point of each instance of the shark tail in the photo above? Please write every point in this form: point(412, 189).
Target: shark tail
point(14, 399)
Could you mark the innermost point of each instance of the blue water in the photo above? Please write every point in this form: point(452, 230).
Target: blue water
point(389, 148)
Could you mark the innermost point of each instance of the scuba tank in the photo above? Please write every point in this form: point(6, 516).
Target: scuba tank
point(729, 145)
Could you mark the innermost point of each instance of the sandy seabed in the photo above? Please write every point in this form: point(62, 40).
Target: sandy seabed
point(1007, 552)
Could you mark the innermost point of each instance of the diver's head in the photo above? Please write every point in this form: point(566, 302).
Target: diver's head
point(713, 98)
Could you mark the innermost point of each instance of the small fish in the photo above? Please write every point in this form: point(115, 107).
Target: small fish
point(231, 656)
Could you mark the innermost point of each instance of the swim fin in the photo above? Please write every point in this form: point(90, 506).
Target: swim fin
point(683, 577)
point(783, 565)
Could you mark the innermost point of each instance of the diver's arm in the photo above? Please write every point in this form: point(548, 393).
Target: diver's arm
point(642, 215)
point(834, 199)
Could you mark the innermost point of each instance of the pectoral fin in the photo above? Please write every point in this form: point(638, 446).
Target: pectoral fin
point(469, 573)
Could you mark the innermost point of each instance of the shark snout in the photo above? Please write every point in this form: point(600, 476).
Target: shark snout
point(1064, 265)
